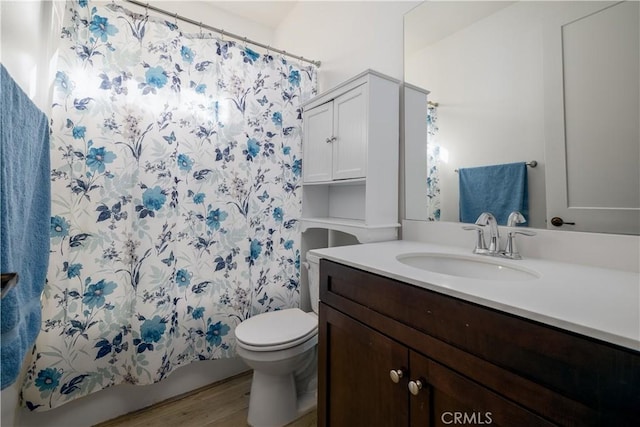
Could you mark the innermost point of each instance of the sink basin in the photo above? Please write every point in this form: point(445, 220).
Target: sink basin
point(474, 267)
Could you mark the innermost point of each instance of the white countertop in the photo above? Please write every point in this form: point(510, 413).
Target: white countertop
point(597, 302)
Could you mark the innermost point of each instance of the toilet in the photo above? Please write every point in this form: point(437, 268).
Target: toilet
point(281, 347)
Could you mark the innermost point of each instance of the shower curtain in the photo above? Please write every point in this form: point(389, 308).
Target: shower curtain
point(175, 191)
point(433, 165)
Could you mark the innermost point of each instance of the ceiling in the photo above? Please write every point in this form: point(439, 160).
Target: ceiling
point(432, 21)
point(266, 12)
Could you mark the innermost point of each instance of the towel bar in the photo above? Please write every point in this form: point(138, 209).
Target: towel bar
point(532, 163)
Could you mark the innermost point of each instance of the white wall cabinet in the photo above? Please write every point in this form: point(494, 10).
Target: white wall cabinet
point(336, 138)
point(350, 159)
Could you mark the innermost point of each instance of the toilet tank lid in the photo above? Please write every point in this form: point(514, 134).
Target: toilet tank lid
point(276, 327)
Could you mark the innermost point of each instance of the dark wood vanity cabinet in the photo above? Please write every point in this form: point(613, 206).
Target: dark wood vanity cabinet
point(467, 364)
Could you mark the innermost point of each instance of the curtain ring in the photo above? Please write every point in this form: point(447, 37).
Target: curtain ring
point(200, 28)
point(146, 10)
point(245, 43)
point(268, 50)
point(175, 19)
point(222, 35)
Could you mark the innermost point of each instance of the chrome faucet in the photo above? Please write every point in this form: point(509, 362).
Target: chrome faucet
point(481, 247)
point(487, 219)
point(511, 251)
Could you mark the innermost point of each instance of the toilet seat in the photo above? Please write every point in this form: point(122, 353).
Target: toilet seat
point(276, 330)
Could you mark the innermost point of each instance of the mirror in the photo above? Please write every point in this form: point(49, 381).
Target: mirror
point(552, 82)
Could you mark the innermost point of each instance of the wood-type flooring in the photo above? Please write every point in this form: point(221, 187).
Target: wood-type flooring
point(223, 404)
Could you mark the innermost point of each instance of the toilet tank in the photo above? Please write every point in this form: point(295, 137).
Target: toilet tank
point(313, 278)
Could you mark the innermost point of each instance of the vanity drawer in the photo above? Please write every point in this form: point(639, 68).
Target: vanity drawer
point(550, 365)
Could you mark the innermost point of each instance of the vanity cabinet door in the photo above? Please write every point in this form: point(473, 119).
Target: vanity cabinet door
point(449, 398)
point(355, 387)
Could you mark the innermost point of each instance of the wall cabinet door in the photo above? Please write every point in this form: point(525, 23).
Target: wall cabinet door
point(350, 120)
point(318, 147)
point(335, 138)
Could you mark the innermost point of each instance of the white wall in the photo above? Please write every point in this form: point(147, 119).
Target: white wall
point(488, 81)
point(28, 44)
point(348, 37)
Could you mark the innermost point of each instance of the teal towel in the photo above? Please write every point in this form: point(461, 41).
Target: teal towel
point(25, 206)
point(498, 189)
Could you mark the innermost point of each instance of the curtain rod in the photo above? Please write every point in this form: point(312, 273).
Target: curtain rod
point(223, 33)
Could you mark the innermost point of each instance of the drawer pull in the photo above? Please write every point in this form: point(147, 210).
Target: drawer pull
point(395, 375)
point(415, 387)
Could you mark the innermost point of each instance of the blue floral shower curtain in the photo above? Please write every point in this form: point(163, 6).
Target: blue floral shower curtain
point(433, 165)
point(176, 187)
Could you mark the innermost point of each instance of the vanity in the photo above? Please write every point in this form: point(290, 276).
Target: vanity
point(547, 344)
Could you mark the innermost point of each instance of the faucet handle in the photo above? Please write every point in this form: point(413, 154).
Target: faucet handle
point(481, 247)
point(511, 251)
point(515, 217)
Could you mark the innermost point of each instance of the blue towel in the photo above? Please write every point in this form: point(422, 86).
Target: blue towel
point(25, 206)
point(499, 189)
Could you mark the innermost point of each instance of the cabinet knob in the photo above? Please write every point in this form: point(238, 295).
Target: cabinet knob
point(395, 375)
point(415, 387)
point(330, 140)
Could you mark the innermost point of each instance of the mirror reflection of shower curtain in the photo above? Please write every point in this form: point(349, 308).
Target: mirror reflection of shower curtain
point(176, 170)
point(433, 165)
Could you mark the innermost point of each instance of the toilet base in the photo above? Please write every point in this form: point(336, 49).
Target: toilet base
point(273, 400)
point(284, 383)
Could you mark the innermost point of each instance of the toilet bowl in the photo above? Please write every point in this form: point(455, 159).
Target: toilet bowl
point(281, 348)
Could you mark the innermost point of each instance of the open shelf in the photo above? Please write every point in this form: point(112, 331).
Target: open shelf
point(363, 232)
